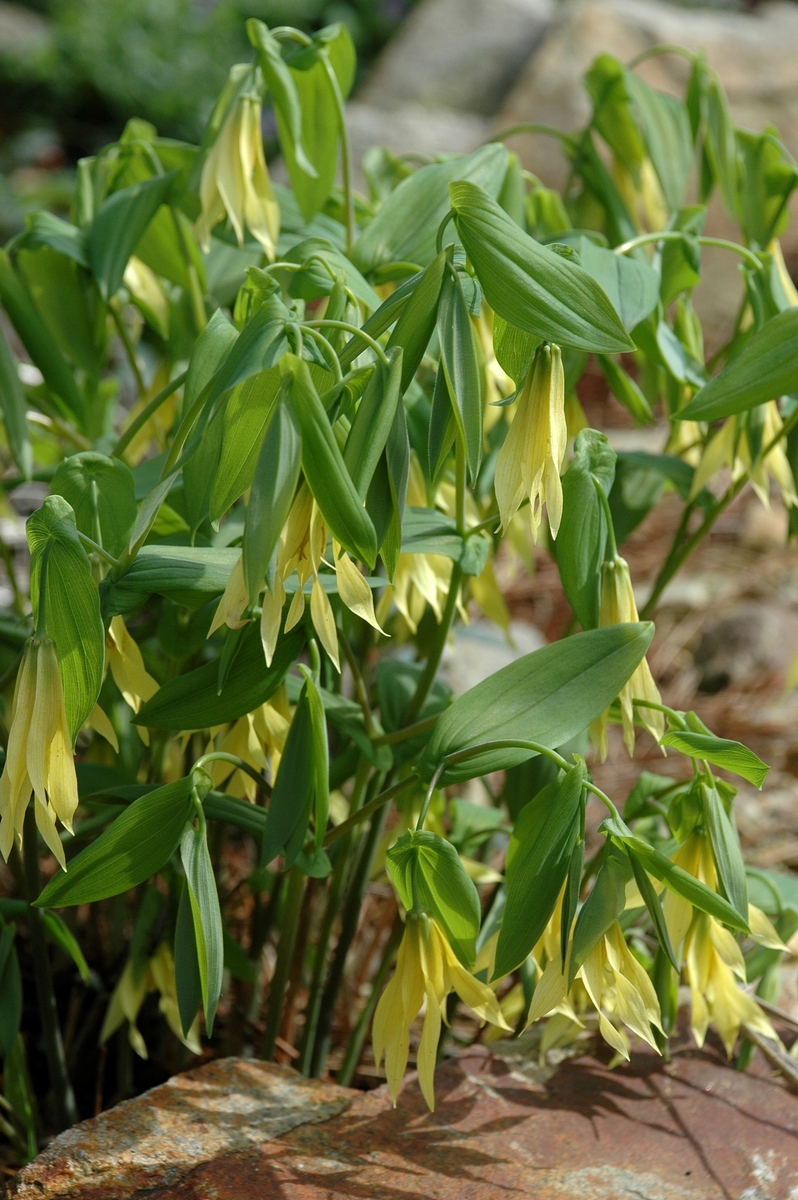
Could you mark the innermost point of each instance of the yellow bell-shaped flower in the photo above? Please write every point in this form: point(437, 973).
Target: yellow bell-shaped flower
point(426, 968)
point(528, 464)
point(235, 181)
point(39, 756)
point(617, 606)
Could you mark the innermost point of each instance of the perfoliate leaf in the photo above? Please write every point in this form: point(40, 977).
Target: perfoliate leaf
point(426, 871)
point(72, 605)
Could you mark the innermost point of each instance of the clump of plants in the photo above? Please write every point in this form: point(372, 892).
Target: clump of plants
point(224, 714)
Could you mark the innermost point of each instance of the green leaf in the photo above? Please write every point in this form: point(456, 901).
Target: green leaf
point(725, 849)
point(320, 122)
point(624, 388)
point(39, 342)
point(460, 361)
point(14, 409)
point(62, 935)
point(652, 903)
point(720, 143)
point(766, 179)
point(189, 575)
point(416, 323)
point(721, 752)
point(101, 492)
point(118, 224)
point(247, 414)
point(294, 788)
point(207, 918)
point(426, 871)
point(666, 129)
point(631, 285)
point(72, 605)
point(283, 91)
point(539, 868)
point(273, 488)
point(326, 263)
point(372, 422)
point(765, 368)
point(605, 83)
point(136, 845)
point(324, 467)
point(405, 228)
point(442, 428)
point(529, 285)
point(583, 531)
point(548, 697)
point(46, 229)
point(210, 351)
point(514, 349)
point(193, 700)
point(603, 906)
point(678, 880)
point(69, 308)
point(188, 983)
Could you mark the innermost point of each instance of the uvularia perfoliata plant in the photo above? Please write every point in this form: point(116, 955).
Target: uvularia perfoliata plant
point(288, 432)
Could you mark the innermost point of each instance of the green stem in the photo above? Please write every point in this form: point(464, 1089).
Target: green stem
point(350, 916)
point(409, 731)
point(66, 1112)
point(223, 756)
point(368, 809)
point(130, 353)
point(354, 1047)
point(427, 677)
point(656, 51)
point(677, 557)
point(96, 548)
point(346, 152)
point(673, 235)
point(532, 127)
point(285, 953)
point(361, 691)
point(354, 331)
point(141, 420)
point(332, 909)
point(422, 816)
point(329, 353)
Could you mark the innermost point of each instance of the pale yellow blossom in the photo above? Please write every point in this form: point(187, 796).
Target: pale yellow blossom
point(157, 974)
point(529, 462)
point(39, 757)
point(128, 671)
point(426, 970)
point(235, 181)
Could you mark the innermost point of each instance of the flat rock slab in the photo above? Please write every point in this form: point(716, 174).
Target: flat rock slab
point(691, 1129)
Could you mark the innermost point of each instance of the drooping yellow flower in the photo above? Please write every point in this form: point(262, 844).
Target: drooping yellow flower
point(730, 447)
point(712, 960)
point(617, 605)
point(617, 986)
point(234, 600)
point(128, 671)
point(158, 974)
point(426, 968)
point(39, 756)
point(235, 181)
point(302, 544)
point(528, 464)
point(711, 956)
point(258, 738)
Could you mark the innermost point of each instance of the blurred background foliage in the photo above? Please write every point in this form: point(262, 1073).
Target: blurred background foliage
point(73, 71)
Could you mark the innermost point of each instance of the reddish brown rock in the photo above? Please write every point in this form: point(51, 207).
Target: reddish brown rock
point(692, 1129)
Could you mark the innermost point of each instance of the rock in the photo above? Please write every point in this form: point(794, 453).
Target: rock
point(230, 1106)
point(754, 53)
point(412, 129)
point(752, 639)
point(459, 54)
point(690, 1129)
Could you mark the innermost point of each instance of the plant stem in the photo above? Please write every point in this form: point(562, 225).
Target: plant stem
point(313, 1007)
point(408, 731)
point(130, 353)
point(145, 414)
point(427, 677)
point(354, 1047)
point(66, 1113)
point(354, 331)
point(368, 809)
point(349, 921)
point(285, 953)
